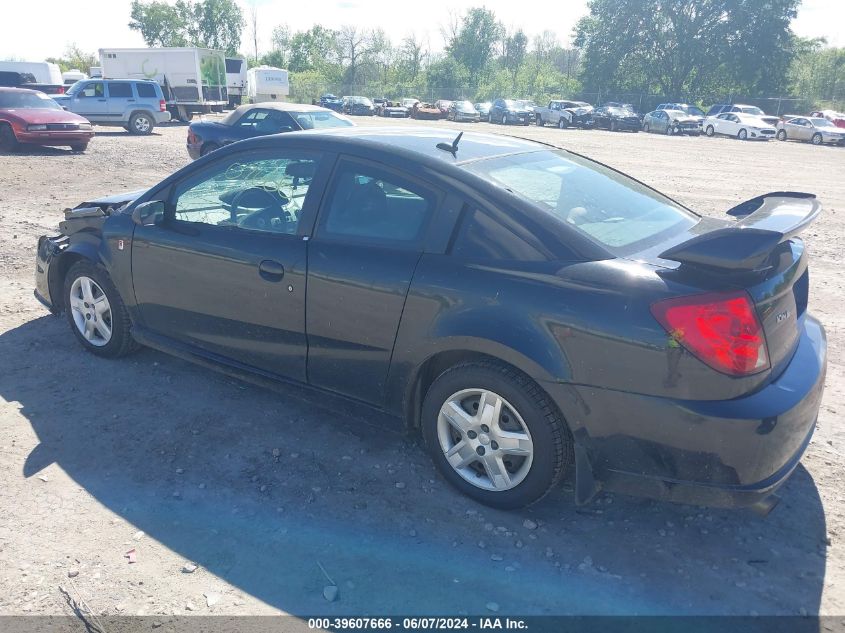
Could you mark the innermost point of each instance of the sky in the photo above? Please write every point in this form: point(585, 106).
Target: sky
point(104, 23)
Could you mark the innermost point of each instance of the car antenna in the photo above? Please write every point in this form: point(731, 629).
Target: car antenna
point(453, 148)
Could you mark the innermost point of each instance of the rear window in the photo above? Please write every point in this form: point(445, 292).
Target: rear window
point(120, 90)
point(618, 212)
point(146, 91)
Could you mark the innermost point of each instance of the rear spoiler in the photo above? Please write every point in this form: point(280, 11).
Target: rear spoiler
point(764, 222)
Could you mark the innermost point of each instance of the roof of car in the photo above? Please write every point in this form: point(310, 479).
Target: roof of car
point(423, 141)
point(283, 106)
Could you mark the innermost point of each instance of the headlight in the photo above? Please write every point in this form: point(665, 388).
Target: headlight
point(84, 126)
point(38, 127)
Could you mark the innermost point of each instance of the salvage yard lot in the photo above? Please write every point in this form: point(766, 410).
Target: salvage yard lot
point(257, 488)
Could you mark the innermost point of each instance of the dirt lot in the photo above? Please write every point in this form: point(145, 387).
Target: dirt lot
point(256, 488)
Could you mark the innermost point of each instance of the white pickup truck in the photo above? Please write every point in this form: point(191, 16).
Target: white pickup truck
point(563, 113)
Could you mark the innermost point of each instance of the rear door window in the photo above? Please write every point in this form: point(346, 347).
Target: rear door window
point(120, 90)
point(368, 204)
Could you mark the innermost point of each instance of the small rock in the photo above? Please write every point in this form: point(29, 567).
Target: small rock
point(211, 599)
point(492, 606)
point(276, 452)
point(509, 568)
point(400, 484)
point(44, 478)
point(73, 573)
point(482, 544)
point(519, 544)
point(412, 533)
point(180, 471)
point(156, 625)
point(138, 535)
point(497, 557)
point(528, 524)
point(330, 593)
point(201, 486)
point(802, 612)
point(176, 494)
point(189, 568)
point(190, 607)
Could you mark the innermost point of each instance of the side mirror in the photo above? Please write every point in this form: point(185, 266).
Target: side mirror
point(148, 213)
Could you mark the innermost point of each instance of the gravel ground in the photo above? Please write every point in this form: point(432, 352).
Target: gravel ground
point(258, 489)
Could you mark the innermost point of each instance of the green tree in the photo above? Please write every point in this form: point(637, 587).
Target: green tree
point(516, 46)
point(160, 23)
point(75, 58)
point(214, 24)
point(683, 47)
point(472, 43)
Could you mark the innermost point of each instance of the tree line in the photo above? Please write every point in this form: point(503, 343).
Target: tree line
point(687, 50)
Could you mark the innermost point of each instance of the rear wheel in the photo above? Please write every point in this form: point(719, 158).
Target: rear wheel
point(669, 130)
point(781, 135)
point(646, 127)
point(709, 131)
point(495, 435)
point(539, 121)
point(141, 124)
point(742, 135)
point(561, 123)
point(613, 126)
point(8, 140)
point(79, 147)
point(817, 139)
point(95, 311)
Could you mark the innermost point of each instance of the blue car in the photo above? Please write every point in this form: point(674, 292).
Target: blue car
point(259, 119)
point(332, 102)
point(135, 104)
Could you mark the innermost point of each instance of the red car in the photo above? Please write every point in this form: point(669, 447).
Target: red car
point(31, 117)
point(837, 118)
point(426, 111)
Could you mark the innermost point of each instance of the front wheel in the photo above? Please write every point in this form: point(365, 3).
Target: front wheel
point(709, 131)
point(561, 123)
point(495, 435)
point(8, 140)
point(817, 139)
point(781, 135)
point(742, 135)
point(95, 311)
point(646, 127)
point(79, 147)
point(539, 121)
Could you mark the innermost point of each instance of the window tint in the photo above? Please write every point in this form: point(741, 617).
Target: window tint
point(267, 121)
point(120, 90)
point(146, 91)
point(264, 193)
point(480, 237)
point(369, 204)
point(92, 90)
point(612, 209)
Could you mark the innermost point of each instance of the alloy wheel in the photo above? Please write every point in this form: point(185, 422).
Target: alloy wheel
point(91, 311)
point(142, 124)
point(485, 440)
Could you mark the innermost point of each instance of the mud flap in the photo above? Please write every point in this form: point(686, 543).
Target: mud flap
point(586, 486)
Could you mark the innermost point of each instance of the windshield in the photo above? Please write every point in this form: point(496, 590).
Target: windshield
point(614, 210)
point(751, 110)
point(362, 101)
point(621, 112)
point(511, 104)
point(27, 101)
point(464, 105)
point(693, 111)
point(320, 120)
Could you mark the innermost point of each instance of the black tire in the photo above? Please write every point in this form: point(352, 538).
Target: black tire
point(539, 121)
point(646, 127)
point(551, 439)
point(781, 135)
point(79, 147)
point(207, 148)
point(141, 124)
point(742, 135)
point(710, 131)
point(562, 123)
point(670, 131)
point(8, 140)
point(817, 139)
point(121, 341)
point(613, 126)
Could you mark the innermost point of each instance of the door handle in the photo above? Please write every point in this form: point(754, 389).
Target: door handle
point(271, 270)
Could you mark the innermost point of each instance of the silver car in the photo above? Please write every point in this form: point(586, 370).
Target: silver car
point(671, 122)
point(813, 129)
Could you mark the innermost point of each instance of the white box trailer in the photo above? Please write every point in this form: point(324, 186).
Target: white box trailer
point(193, 79)
point(43, 76)
point(266, 83)
point(235, 80)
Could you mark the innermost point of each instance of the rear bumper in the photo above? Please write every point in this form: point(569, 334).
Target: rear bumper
point(727, 453)
point(162, 117)
point(194, 150)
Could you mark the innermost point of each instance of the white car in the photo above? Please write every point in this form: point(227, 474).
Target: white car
point(740, 125)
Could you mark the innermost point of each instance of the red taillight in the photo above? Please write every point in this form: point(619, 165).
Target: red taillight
point(192, 138)
point(162, 105)
point(720, 329)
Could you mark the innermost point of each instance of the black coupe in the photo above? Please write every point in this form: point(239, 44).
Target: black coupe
point(523, 307)
point(259, 119)
point(616, 119)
